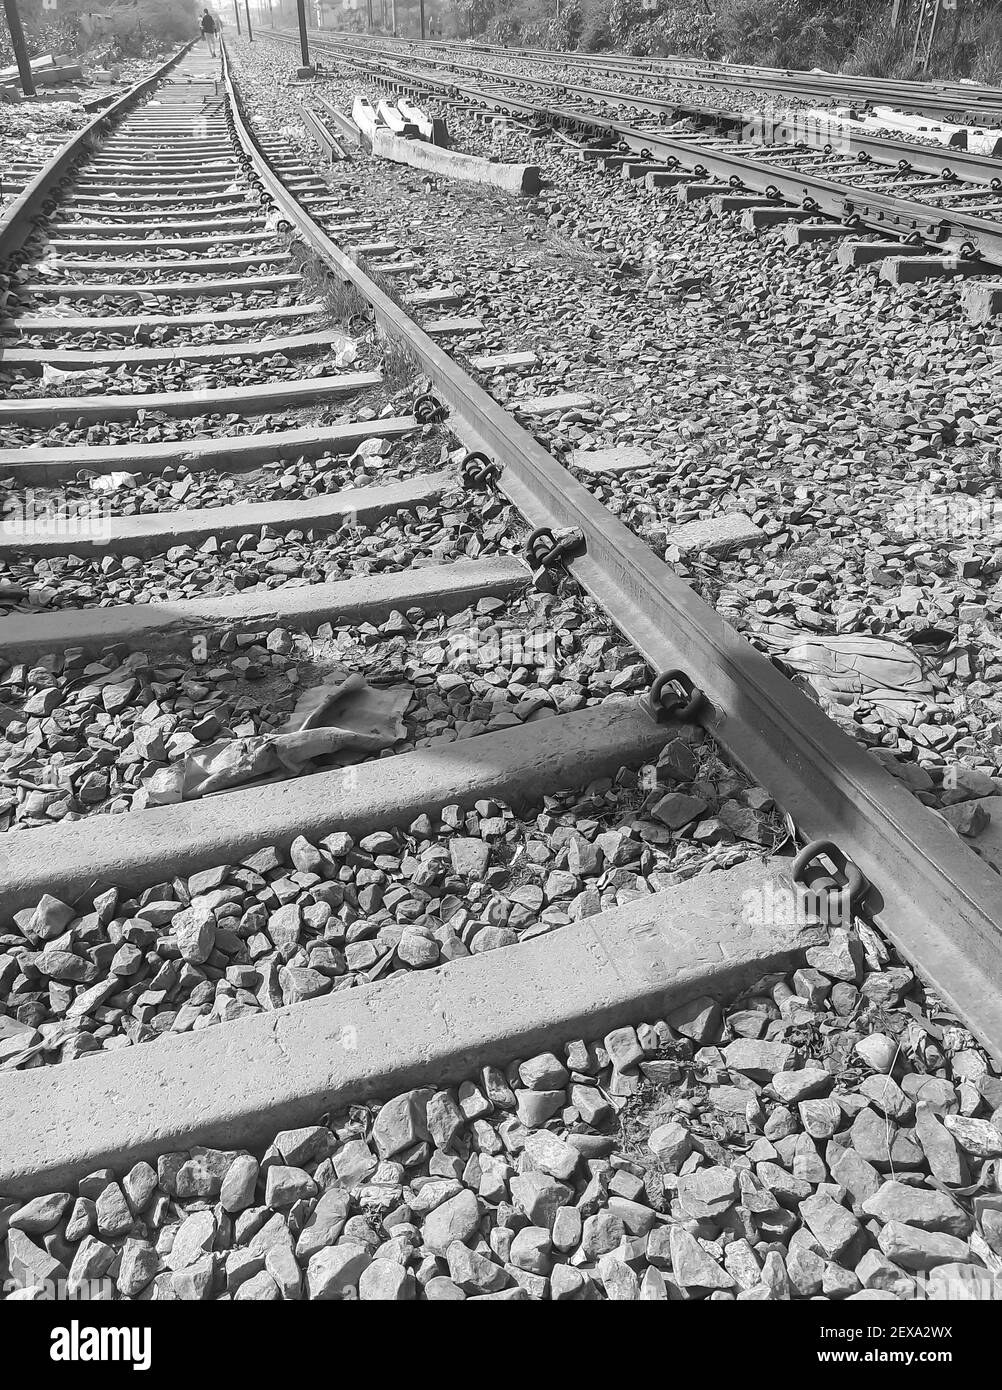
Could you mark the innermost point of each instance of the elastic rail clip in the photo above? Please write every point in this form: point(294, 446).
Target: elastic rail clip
point(428, 409)
point(544, 546)
point(674, 696)
point(830, 896)
point(479, 472)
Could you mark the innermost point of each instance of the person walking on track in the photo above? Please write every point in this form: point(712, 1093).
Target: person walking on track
point(208, 27)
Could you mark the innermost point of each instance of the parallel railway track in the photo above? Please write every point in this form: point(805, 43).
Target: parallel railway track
point(946, 199)
point(972, 102)
point(250, 234)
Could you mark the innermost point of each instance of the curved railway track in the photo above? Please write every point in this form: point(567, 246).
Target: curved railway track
point(170, 239)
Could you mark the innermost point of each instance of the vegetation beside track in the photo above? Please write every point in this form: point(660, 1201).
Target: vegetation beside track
point(142, 30)
point(850, 36)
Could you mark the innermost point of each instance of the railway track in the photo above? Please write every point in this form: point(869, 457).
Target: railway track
point(928, 197)
point(512, 722)
point(967, 102)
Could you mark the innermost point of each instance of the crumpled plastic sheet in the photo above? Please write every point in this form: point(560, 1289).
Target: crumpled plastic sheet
point(853, 669)
point(332, 723)
point(56, 376)
point(112, 482)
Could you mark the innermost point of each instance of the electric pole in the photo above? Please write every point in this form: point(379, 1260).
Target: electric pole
point(236, 13)
point(421, 2)
point(250, 32)
point(20, 47)
point(307, 69)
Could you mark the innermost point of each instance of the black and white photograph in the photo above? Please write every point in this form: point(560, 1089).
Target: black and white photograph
point(500, 670)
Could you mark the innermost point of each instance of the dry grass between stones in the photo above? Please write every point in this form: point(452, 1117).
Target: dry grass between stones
point(341, 300)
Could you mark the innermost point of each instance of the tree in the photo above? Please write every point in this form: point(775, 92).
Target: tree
point(472, 15)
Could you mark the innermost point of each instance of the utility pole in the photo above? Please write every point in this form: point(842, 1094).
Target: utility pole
point(307, 69)
point(369, 8)
point(250, 32)
point(925, 29)
point(236, 12)
point(393, 16)
point(421, 2)
point(20, 47)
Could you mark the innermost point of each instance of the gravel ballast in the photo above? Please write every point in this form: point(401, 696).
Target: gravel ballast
point(854, 423)
point(278, 928)
point(267, 559)
point(812, 1139)
point(84, 737)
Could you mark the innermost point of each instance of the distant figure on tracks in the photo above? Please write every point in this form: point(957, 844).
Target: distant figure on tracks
point(208, 27)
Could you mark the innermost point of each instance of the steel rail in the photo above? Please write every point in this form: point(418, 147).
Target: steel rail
point(18, 220)
point(985, 98)
point(946, 161)
point(957, 232)
point(797, 129)
point(950, 162)
point(931, 894)
point(933, 97)
point(661, 63)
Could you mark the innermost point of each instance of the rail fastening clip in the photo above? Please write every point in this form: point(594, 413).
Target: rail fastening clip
point(544, 546)
point(831, 895)
point(673, 696)
point(428, 409)
point(479, 472)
